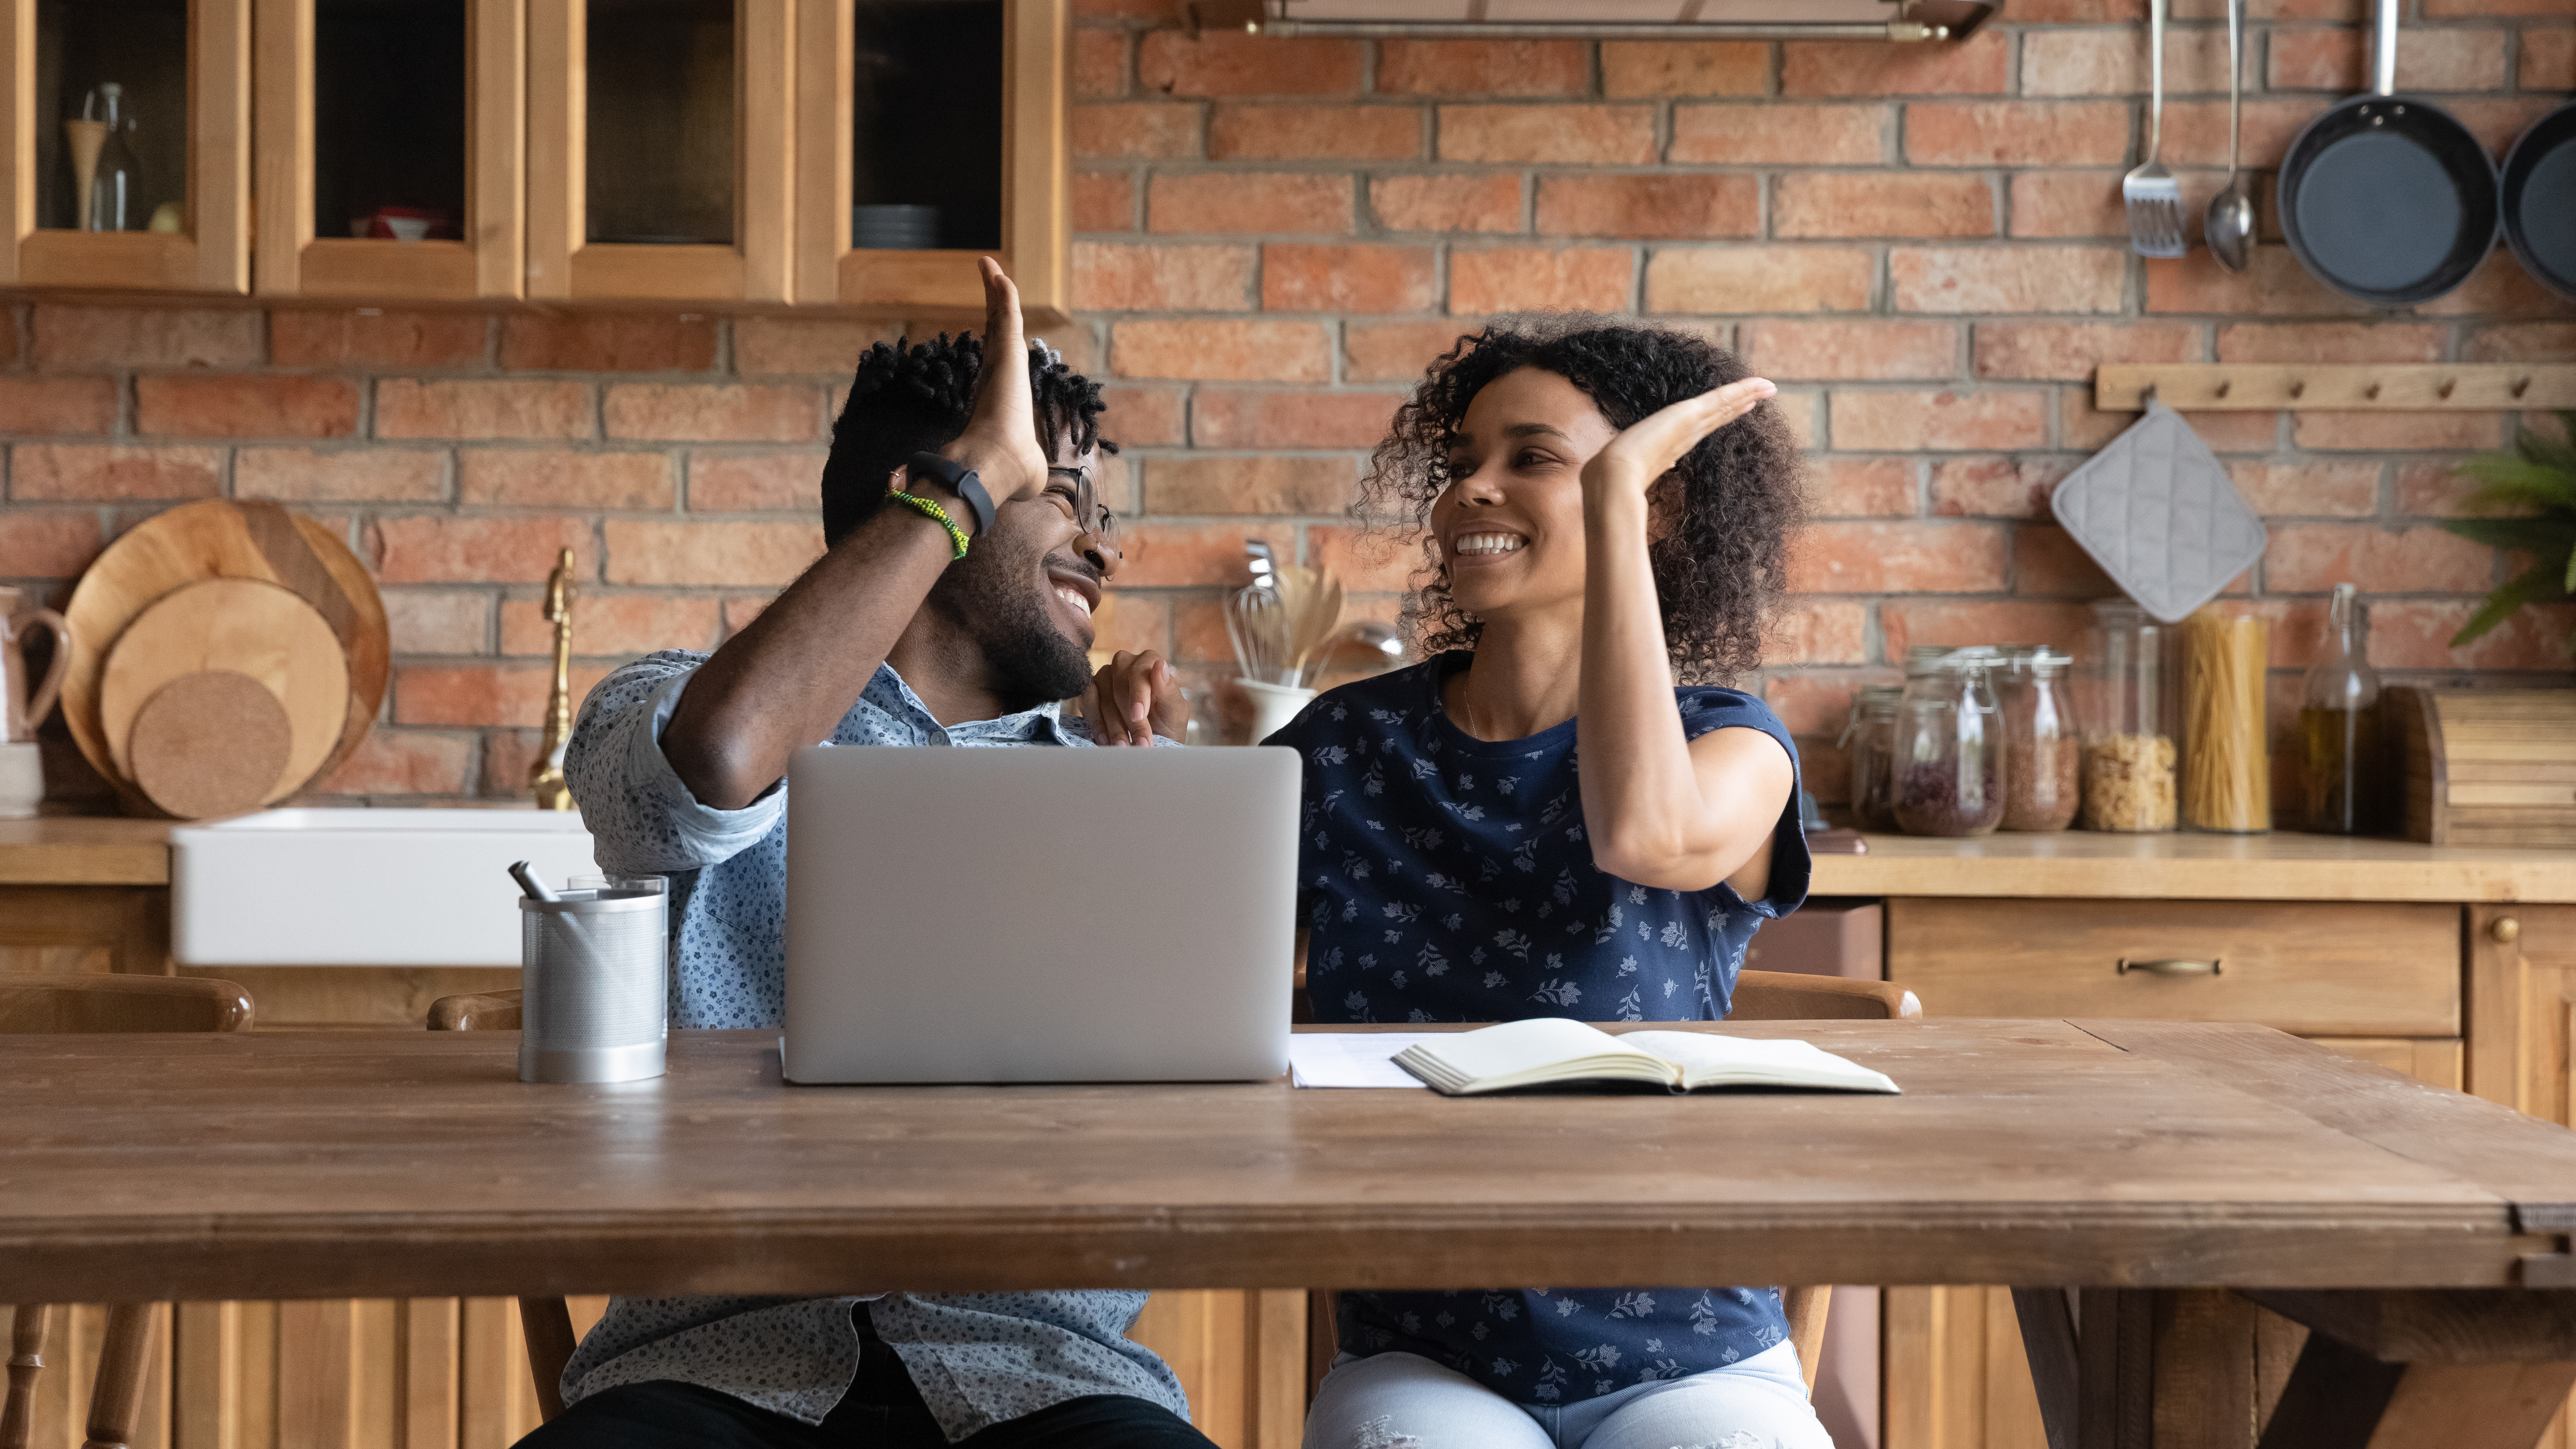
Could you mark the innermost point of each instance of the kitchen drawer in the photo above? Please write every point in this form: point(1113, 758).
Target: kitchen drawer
point(2313, 967)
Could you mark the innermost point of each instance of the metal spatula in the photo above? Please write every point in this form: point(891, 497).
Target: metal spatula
point(2154, 197)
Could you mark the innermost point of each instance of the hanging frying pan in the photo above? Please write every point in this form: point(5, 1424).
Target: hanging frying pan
point(2386, 198)
point(2540, 200)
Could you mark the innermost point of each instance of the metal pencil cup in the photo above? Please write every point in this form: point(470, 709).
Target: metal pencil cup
point(594, 1007)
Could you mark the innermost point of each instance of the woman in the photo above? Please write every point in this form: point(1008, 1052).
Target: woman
point(1606, 508)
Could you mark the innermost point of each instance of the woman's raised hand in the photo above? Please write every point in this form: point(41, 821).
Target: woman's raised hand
point(1001, 438)
point(1648, 448)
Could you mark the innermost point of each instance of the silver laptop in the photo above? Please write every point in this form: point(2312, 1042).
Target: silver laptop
point(1040, 915)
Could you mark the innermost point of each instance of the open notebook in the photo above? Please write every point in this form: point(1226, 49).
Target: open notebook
point(1551, 1050)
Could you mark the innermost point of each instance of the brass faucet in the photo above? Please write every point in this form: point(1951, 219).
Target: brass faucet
point(546, 773)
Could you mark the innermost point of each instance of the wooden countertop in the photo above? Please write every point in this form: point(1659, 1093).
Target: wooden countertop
point(2282, 866)
point(84, 850)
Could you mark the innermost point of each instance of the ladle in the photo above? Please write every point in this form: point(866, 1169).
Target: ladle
point(2229, 226)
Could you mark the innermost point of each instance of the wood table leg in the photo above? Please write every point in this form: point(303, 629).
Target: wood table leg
point(2417, 1369)
point(2093, 1363)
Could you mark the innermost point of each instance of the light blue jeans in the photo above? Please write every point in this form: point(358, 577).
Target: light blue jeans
point(1405, 1401)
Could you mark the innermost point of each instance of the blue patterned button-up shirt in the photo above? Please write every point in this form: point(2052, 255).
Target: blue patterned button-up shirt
point(978, 1358)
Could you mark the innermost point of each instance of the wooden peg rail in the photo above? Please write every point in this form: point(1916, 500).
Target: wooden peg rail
point(2390, 387)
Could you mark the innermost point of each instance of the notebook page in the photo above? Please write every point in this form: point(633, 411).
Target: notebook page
point(1520, 1046)
point(1352, 1059)
point(1781, 1059)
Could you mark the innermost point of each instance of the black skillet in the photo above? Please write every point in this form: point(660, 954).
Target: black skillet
point(2540, 200)
point(2388, 199)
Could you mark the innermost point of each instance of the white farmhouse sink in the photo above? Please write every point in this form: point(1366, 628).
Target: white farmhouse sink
point(362, 887)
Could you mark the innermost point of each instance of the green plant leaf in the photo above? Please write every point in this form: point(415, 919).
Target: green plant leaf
point(2545, 535)
point(2529, 587)
point(2547, 452)
point(2508, 479)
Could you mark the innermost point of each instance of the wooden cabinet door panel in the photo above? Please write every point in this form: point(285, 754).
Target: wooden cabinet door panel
point(2522, 1027)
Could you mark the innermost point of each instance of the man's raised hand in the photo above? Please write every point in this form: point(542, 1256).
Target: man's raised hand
point(1000, 442)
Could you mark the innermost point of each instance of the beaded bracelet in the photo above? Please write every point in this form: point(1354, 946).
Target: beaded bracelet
point(935, 514)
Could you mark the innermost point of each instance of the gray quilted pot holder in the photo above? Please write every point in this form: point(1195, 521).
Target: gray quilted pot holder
point(2161, 516)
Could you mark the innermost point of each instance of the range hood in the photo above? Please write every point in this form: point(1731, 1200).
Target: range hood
point(1630, 19)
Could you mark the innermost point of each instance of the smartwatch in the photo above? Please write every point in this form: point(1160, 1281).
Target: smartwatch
point(960, 480)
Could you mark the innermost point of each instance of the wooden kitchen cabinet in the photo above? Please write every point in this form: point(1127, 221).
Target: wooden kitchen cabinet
point(2522, 1024)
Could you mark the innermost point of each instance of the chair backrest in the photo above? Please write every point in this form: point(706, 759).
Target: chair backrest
point(1794, 996)
point(80, 1001)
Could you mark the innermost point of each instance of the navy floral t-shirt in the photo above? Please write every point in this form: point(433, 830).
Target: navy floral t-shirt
point(1447, 878)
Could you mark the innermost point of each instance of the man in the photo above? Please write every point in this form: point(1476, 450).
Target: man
point(934, 618)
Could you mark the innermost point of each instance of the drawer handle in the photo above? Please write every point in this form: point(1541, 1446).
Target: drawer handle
point(2171, 967)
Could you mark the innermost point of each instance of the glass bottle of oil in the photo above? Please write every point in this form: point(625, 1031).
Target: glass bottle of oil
point(2342, 772)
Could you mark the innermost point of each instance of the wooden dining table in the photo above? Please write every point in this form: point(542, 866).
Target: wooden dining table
point(2139, 1181)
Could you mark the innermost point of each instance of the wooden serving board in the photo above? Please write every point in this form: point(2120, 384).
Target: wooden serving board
point(243, 626)
point(2486, 766)
point(216, 539)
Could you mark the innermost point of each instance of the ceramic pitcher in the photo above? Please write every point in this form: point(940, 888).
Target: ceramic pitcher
point(22, 704)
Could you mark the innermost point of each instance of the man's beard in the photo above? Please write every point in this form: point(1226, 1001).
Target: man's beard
point(1031, 660)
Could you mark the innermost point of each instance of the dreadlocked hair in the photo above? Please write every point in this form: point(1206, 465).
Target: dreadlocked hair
point(1718, 570)
point(913, 397)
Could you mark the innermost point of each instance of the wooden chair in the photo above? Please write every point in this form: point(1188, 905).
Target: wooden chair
point(37, 1003)
point(1759, 996)
point(546, 1323)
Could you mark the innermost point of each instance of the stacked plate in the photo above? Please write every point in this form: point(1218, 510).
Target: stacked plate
point(894, 228)
point(225, 655)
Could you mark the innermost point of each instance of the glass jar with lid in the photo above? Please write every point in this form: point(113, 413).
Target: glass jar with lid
point(1949, 757)
point(2126, 707)
point(1870, 737)
point(2041, 743)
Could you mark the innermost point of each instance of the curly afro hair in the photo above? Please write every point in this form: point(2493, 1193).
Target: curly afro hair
point(1719, 569)
point(915, 397)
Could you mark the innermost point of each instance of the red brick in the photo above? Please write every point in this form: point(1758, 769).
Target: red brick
point(2067, 204)
point(481, 694)
point(1572, 279)
point(42, 405)
point(2548, 60)
point(2429, 59)
point(1099, 64)
point(2398, 432)
point(607, 342)
point(1192, 483)
point(245, 406)
point(2417, 633)
point(1884, 203)
point(375, 474)
point(2522, 342)
point(1945, 421)
point(2008, 279)
point(1249, 202)
point(438, 621)
point(1447, 203)
point(2196, 132)
point(2114, 62)
point(1995, 487)
point(1817, 632)
point(1907, 623)
point(759, 482)
point(733, 412)
point(1842, 486)
point(562, 478)
point(2334, 490)
point(1574, 135)
point(1103, 201)
point(445, 550)
point(2273, 285)
point(375, 337)
point(825, 345)
point(2048, 564)
point(1818, 704)
point(1399, 351)
point(1729, 280)
point(1686, 207)
point(123, 337)
point(1113, 277)
point(408, 408)
point(1483, 68)
point(2017, 133)
point(105, 471)
point(1315, 133)
point(401, 762)
point(1639, 68)
point(1368, 560)
point(1778, 133)
point(2069, 351)
point(1879, 558)
point(613, 624)
point(2500, 288)
point(2433, 488)
point(2497, 120)
point(1298, 278)
point(2078, 12)
point(738, 614)
point(711, 555)
point(2308, 558)
point(1132, 621)
point(1158, 130)
point(1851, 349)
point(1230, 63)
point(1232, 418)
point(1222, 351)
point(48, 545)
point(1979, 65)
point(2329, 342)
point(1143, 417)
point(1161, 555)
point(1801, 411)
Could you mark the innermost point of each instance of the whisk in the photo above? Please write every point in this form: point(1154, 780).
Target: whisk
point(1258, 624)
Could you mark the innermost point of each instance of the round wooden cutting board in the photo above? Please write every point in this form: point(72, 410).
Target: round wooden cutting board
point(210, 743)
point(216, 539)
point(245, 627)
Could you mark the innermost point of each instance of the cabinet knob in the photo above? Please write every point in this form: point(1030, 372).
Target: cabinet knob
point(2170, 967)
point(2505, 929)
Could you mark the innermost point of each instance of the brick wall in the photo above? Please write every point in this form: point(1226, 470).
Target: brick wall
point(1922, 244)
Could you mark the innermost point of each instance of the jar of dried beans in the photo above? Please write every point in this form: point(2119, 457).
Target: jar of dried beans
point(1871, 739)
point(1950, 746)
point(2126, 706)
point(2041, 743)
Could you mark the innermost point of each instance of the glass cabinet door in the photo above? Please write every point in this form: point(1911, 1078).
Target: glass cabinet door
point(126, 129)
point(391, 147)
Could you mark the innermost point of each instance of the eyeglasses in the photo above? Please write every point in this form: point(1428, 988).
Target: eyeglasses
point(1081, 501)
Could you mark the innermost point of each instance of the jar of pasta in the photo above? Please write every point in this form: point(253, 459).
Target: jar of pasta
point(2227, 746)
point(1949, 763)
point(2126, 709)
